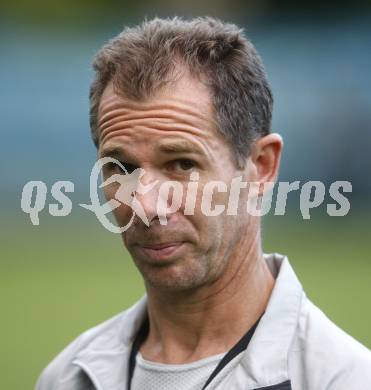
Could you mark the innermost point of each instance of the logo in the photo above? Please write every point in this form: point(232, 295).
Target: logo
point(170, 196)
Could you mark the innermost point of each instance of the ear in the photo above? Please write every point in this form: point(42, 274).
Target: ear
point(266, 156)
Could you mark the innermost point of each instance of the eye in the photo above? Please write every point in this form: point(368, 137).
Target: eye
point(113, 167)
point(184, 164)
point(129, 167)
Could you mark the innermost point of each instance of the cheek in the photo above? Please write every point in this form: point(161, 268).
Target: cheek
point(123, 213)
point(210, 229)
point(219, 231)
point(110, 191)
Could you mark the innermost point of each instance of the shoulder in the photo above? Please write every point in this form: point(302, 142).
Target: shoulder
point(109, 334)
point(328, 357)
point(63, 361)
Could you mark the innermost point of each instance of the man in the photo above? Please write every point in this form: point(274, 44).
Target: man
point(180, 98)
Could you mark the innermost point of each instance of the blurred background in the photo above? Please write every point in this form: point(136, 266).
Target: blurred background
point(68, 274)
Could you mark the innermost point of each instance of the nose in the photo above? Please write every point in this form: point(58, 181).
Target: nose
point(147, 195)
point(155, 199)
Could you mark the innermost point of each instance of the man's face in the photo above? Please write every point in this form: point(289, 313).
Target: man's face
point(170, 136)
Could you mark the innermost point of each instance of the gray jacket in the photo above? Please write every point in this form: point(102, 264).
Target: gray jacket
point(295, 346)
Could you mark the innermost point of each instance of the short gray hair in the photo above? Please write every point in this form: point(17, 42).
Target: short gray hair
point(140, 59)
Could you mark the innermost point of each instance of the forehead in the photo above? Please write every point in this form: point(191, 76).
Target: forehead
point(187, 89)
point(183, 106)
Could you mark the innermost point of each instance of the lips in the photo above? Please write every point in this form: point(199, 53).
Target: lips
point(162, 251)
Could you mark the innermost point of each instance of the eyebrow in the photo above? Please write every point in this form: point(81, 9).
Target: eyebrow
point(112, 151)
point(179, 147)
point(169, 147)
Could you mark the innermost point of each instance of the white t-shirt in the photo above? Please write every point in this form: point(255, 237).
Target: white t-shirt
point(150, 375)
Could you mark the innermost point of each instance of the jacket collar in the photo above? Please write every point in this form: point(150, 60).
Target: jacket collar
point(105, 359)
point(264, 363)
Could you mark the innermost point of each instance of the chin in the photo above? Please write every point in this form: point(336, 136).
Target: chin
point(173, 278)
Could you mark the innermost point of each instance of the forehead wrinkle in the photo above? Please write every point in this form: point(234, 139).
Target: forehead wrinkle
point(123, 114)
point(155, 118)
point(136, 126)
point(161, 129)
point(196, 144)
point(180, 106)
point(111, 103)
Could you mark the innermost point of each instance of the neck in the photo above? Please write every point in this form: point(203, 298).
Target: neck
point(189, 326)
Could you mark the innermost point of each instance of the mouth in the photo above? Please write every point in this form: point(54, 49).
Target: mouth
point(163, 251)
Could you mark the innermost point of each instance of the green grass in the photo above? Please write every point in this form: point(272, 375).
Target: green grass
point(65, 276)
